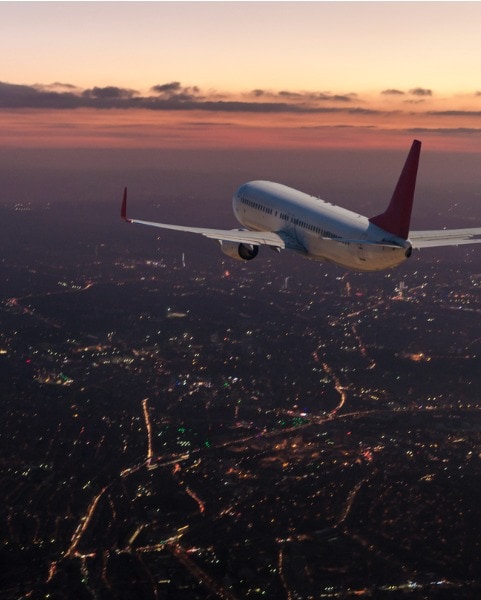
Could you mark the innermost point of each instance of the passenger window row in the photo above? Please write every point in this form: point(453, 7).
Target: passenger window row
point(294, 221)
point(256, 205)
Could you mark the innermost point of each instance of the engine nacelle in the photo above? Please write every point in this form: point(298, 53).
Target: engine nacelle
point(239, 251)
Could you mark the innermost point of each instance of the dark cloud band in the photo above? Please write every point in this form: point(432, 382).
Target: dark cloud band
point(170, 96)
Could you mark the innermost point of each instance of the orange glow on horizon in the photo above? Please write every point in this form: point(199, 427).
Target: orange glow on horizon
point(378, 126)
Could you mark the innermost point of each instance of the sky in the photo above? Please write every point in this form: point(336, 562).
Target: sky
point(198, 75)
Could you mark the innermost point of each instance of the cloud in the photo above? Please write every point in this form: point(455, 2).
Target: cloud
point(335, 97)
point(392, 92)
point(420, 92)
point(9, 90)
point(176, 91)
point(191, 102)
point(28, 96)
point(108, 93)
point(59, 86)
point(291, 95)
point(169, 96)
point(306, 97)
point(167, 88)
point(445, 130)
point(455, 113)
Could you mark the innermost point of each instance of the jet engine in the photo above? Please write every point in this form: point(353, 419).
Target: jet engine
point(239, 251)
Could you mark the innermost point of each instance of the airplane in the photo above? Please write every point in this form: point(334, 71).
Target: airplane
point(280, 217)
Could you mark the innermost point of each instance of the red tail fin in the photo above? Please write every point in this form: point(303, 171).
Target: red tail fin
point(397, 217)
point(123, 210)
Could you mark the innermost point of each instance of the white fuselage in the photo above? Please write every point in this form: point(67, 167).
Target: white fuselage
point(313, 225)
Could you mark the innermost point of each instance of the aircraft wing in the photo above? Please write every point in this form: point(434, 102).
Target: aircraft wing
point(241, 236)
point(445, 237)
point(280, 240)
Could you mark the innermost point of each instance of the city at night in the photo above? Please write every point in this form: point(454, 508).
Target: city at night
point(178, 424)
point(287, 406)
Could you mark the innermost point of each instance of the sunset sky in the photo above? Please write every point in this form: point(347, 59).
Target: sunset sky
point(236, 74)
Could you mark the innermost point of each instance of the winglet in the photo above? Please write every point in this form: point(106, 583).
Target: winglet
point(123, 210)
point(397, 217)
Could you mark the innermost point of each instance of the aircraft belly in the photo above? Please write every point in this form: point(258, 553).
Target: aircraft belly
point(361, 257)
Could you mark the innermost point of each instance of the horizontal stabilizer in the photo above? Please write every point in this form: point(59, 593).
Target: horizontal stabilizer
point(445, 237)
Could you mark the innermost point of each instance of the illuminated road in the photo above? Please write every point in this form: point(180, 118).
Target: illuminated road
point(83, 524)
point(148, 427)
point(280, 569)
point(194, 496)
point(362, 348)
point(18, 303)
point(200, 575)
point(350, 500)
point(337, 386)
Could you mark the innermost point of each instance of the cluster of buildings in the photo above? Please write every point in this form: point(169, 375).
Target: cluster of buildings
point(212, 429)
